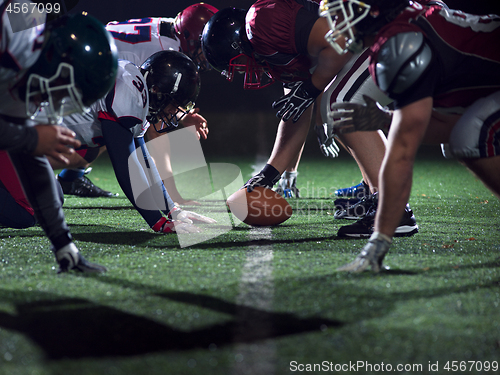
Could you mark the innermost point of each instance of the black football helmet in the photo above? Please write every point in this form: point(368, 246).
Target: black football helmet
point(76, 67)
point(227, 49)
point(356, 19)
point(173, 80)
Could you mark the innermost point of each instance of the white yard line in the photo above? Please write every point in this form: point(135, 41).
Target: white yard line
point(256, 294)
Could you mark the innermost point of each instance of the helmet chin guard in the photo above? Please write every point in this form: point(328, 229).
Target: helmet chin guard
point(256, 76)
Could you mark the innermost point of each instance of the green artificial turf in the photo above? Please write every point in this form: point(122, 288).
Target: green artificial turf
point(260, 301)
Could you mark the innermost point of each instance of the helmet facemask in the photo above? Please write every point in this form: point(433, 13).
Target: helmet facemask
point(159, 104)
point(53, 97)
point(199, 59)
point(342, 16)
point(257, 75)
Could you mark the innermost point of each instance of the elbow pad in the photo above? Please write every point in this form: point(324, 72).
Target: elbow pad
point(401, 61)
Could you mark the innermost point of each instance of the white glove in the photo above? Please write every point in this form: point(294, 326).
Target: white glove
point(351, 117)
point(326, 141)
point(189, 217)
point(372, 255)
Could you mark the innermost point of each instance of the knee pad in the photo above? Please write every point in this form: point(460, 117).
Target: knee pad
point(477, 133)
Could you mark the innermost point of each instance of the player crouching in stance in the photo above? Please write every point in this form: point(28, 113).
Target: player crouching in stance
point(47, 72)
point(441, 69)
point(162, 90)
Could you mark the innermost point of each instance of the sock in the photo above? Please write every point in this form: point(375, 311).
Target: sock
point(71, 174)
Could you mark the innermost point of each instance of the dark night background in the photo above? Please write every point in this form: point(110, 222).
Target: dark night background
point(240, 121)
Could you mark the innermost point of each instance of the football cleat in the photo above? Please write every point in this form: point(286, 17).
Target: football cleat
point(70, 259)
point(356, 191)
point(363, 228)
point(287, 185)
point(372, 255)
point(357, 210)
point(343, 203)
point(83, 187)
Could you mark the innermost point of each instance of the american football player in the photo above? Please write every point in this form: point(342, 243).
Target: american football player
point(162, 90)
point(443, 73)
point(270, 49)
point(46, 72)
point(136, 40)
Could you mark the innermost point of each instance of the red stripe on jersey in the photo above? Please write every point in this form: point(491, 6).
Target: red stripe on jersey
point(493, 131)
point(82, 152)
point(107, 116)
point(11, 182)
point(352, 71)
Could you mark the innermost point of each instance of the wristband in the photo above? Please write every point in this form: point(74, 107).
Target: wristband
point(308, 87)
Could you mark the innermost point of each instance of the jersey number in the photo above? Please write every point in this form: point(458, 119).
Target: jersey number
point(142, 32)
point(140, 86)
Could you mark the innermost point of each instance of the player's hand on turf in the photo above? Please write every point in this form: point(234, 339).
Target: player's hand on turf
point(56, 141)
point(189, 217)
point(70, 259)
point(167, 226)
point(351, 117)
point(293, 104)
point(372, 255)
point(326, 140)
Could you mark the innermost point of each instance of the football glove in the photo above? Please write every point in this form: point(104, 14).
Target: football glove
point(326, 141)
point(165, 225)
point(70, 259)
point(189, 217)
point(287, 185)
point(300, 97)
point(267, 177)
point(372, 255)
point(351, 117)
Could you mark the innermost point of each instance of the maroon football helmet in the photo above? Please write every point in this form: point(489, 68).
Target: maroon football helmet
point(188, 26)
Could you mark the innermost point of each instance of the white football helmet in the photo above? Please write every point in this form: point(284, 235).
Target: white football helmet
point(342, 16)
point(367, 17)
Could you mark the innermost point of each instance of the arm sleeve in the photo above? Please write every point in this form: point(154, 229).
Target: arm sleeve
point(17, 138)
point(120, 145)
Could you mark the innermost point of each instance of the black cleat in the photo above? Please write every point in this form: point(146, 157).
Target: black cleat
point(83, 187)
point(358, 209)
point(363, 228)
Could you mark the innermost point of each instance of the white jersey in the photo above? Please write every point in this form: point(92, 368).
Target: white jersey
point(20, 46)
point(351, 83)
point(137, 39)
point(128, 102)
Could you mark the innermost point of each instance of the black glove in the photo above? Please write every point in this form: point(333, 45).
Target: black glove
point(267, 177)
point(352, 117)
point(301, 96)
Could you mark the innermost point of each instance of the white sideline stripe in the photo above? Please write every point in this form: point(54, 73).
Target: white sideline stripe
point(256, 291)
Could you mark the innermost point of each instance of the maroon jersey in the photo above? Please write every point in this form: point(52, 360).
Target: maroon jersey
point(278, 31)
point(466, 56)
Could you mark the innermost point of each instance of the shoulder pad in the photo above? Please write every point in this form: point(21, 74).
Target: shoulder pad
point(401, 61)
